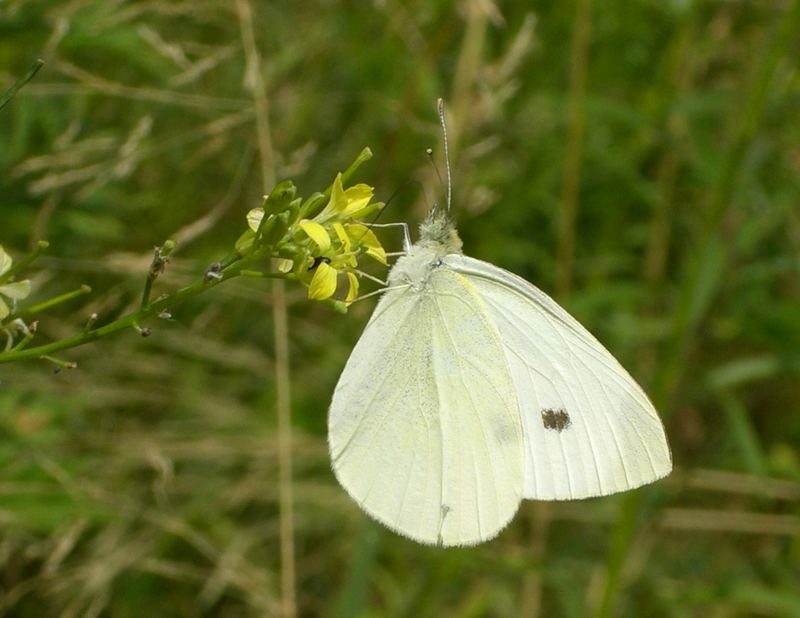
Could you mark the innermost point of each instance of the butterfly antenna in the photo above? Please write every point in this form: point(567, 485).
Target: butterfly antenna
point(446, 152)
point(429, 152)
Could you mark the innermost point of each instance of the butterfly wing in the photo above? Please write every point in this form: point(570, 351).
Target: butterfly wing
point(424, 426)
point(589, 429)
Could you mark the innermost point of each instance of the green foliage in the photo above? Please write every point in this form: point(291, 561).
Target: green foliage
point(146, 481)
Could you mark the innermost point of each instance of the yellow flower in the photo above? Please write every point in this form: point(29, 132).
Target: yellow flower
point(340, 240)
point(323, 284)
point(341, 234)
point(366, 238)
point(317, 233)
point(350, 203)
point(325, 281)
point(329, 244)
point(352, 293)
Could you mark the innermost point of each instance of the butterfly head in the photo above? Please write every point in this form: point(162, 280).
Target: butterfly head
point(438, 233)
point(437, 238)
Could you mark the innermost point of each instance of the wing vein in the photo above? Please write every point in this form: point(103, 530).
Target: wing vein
point(477, 415)
point(557, 388)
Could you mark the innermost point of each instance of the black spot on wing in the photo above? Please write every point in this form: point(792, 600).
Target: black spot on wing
point(557, 420)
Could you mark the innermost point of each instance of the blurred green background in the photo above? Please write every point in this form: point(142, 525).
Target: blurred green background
point(638, 159)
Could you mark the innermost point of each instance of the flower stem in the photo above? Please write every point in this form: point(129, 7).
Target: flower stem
point(60, 364)
point(47, 304)
point(127, 321)
point(156, 268)
point(283, 402)
point(23, 343)
point(257, 274)
point(9, 94)
point(24, 261)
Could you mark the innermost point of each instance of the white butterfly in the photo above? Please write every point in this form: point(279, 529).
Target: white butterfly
point(471, 389)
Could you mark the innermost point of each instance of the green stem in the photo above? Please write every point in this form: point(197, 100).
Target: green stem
point(90, 322)
point(24, 261)
point(52, 302)
point(23, 343)
point(60, 364)
point(130, 320)
point(156, 268)
point(148, 286)
point(258, 274)
point(9, 94)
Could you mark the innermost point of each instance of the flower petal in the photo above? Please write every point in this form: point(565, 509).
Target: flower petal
point(317, 233)
point(336, 203)
point(362, 235)
point(338, 199)
point(323, 285)
point(359, 191)
point(285, 265)
point(5, 261)
point(17, 290)
point(357, 196)
point(254, 218)
point(352, 292)
point(342, 234)
point(365, 211)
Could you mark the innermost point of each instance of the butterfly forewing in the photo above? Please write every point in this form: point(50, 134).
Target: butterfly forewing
point(424, 426)
point(589, 429)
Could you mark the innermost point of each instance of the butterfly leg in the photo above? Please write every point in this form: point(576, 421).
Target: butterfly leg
point(361, 273)
point(381, 291)
point(406, 235)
